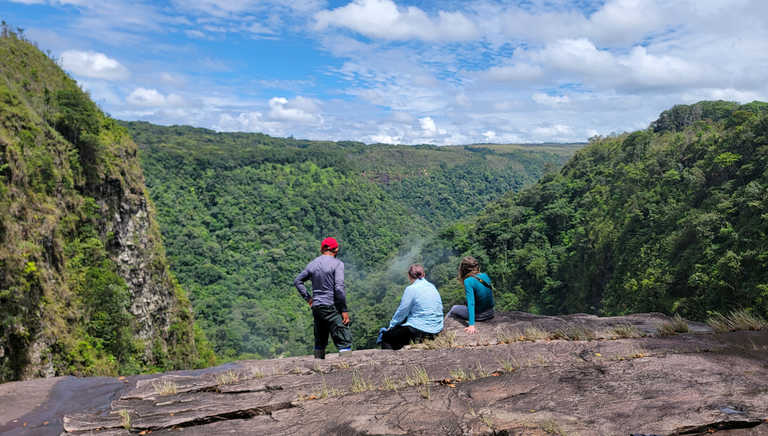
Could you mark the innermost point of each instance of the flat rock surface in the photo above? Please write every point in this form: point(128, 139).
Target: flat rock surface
point(500, 381)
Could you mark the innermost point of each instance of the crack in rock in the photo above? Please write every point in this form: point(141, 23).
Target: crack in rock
point(717, 426)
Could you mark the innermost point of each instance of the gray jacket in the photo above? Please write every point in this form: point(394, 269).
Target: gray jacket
point(327, 275)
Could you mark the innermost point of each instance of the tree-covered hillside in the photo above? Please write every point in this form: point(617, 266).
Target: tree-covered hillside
point(443, 184)
point(85, 288)
point(241, 214)
point(673, 218)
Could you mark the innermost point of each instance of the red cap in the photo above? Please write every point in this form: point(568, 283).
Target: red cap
point(329, 243)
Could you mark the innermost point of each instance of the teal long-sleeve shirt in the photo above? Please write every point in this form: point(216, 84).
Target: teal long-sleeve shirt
point(421, 308)
point(479, 297)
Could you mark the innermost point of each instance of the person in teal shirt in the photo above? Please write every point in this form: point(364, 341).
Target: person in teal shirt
point(479, 291)
point(419, 316)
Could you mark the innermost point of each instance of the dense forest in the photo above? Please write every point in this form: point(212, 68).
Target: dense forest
point(241, 214)
point(673, 218)
point(85, 287)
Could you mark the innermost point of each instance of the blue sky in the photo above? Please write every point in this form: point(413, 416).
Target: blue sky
point(439, 72)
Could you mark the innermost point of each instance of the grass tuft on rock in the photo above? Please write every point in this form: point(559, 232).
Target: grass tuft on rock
point(677, 325)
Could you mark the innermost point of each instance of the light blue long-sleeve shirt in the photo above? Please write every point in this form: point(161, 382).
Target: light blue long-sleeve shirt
point(421, 307)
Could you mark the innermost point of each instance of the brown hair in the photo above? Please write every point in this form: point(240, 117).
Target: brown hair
point(416, 271)
point(468, 266)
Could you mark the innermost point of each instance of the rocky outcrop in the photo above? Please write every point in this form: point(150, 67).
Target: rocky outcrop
point(496, 382)
point(137, 251)
point(84, 284)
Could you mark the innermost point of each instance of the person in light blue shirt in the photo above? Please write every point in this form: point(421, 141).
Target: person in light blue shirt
point(419, 316)
point(479, 292)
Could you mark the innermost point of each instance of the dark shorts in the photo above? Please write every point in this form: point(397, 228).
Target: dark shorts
point(399, 336)
point(462, 312)
point(328, 321)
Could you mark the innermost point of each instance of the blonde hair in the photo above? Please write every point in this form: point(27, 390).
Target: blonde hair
point(467, 266)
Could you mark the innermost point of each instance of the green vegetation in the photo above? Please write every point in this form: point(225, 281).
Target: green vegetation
point(736, 320)
point(671, 219)
point(66, 170)
point(241, 215)
point(675, 326)
point(443, 184)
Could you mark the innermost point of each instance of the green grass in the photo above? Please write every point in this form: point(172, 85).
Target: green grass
point(444, 340)
point(673, 327)
point(165, 387)
point(227, 378)
point(360, 384)
point(125, 418)
point(625, 331)
point(736, 320)
point(417, 376)
point(574, 333)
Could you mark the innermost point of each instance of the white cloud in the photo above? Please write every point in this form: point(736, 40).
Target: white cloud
point(517, 72)
point(729, 94)
point(193, 33)
point(245, 121)
point(93, 65)
point(217, 8)
point(298, 110)
point(384, 19)
point(434, 72)
point(101, 91)
point(230, 8)
point(556, 132)
point(153, 98)
point(550, 100)
point(384, 139)
point(428, 126)
point(577, 55)
point(172, 79)
point(621, 22)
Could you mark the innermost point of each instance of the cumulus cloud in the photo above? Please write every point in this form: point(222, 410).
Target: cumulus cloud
point(432, 72)
point(93, 65)
point(152, 98)
point(298, 110)
point(621, 22)
point(384, 19)
point(245, 121)
point(577, 55)
point(384, 139)
point(580, 60)
point(282, 116)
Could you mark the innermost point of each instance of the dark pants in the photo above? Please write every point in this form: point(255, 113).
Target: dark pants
point(462, 312)
point(399, 336)
point(328, 320)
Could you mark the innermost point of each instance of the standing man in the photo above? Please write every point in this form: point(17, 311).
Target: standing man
point(328, 298)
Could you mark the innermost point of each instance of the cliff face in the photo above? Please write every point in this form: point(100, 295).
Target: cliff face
point(84, 284)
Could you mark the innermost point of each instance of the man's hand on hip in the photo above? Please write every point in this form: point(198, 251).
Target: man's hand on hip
point(345, 318)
